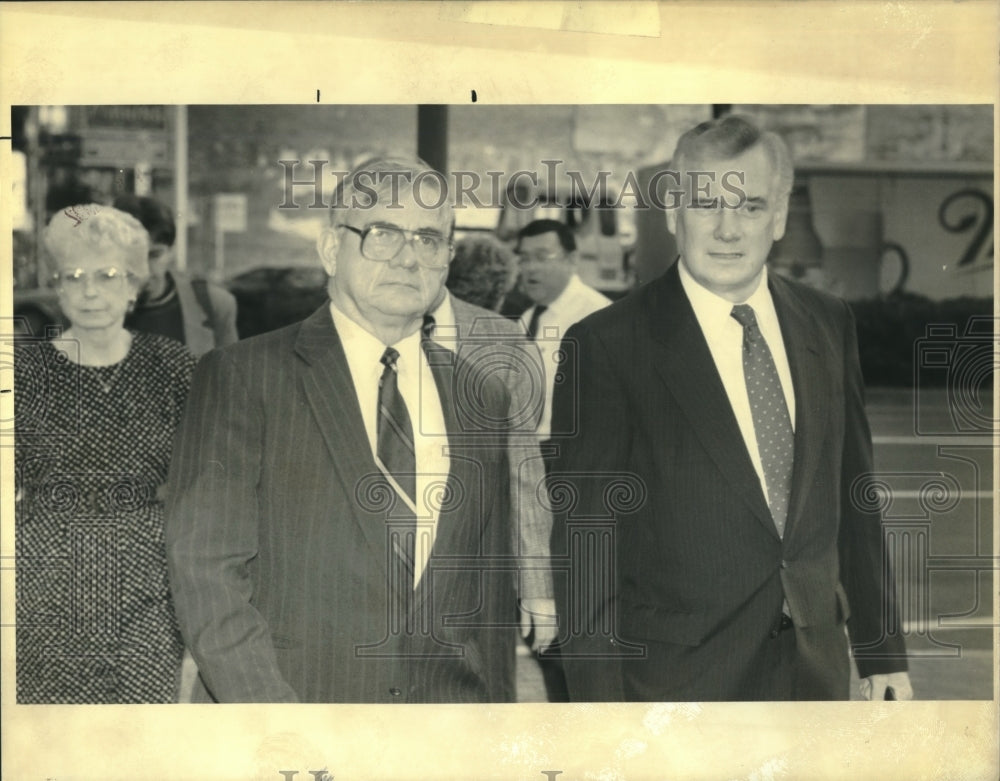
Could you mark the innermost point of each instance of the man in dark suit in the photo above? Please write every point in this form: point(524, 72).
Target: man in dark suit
point(338, 521)
point(730, 403)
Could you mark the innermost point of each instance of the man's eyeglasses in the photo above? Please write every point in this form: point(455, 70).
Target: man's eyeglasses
point(384, 242)
point(524, 258)
point(110, 278)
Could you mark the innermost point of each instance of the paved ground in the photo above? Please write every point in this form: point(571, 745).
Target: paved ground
point(937, 468)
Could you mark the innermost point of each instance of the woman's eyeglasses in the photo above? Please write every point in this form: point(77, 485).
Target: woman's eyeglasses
point(110, 278)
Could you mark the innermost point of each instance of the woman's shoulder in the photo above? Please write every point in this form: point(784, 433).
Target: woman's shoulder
point(163, 350)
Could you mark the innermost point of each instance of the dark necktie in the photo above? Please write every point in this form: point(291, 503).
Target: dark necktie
point(533, 323)
point(427, 329)
point(771, 422)
point(396, 452)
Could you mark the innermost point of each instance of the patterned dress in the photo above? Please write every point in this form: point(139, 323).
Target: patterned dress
point(95, 622)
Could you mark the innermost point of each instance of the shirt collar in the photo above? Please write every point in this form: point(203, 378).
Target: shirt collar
point(444, 315)
point(714, 311)
point(569, 293)
point(356, 337)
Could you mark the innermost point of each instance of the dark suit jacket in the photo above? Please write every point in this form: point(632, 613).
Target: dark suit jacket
point(276, 532)
point(700, 571)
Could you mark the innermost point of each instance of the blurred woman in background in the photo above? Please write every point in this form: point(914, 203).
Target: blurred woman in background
point(482, 272)
point(95, 413)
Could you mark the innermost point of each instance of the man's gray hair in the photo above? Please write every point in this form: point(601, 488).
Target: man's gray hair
point(728, 137)
point(381, 179)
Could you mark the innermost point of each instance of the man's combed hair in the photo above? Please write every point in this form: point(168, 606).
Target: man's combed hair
point(380, 179)
point(540, 227)
point(729, 137)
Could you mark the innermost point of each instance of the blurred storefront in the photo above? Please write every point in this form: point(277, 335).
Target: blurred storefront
point(893, 207)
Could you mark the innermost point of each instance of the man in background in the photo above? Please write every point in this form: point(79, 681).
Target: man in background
point(464, 319)
point(196, 312)
point(546, 253)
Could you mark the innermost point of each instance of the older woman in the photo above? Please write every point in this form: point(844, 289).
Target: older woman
point(482, 272)
point(95, 412)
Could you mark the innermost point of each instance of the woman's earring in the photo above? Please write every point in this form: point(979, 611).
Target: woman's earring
point(131, 306)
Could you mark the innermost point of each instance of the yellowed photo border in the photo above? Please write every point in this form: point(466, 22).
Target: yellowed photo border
point(720, 51)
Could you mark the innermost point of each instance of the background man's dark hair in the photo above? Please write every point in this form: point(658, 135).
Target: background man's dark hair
point(538, 227)
point(156, 218)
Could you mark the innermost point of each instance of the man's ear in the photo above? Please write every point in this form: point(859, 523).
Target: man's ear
point(780, 220)
point(327, 245)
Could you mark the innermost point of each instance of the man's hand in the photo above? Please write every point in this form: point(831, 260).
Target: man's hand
point(540, 613)
point(874, 686)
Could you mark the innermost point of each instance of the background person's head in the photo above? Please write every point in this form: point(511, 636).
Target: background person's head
point(482, 271)
point(158, 220)
point(734, 182)
point(389, 243)
point(546, 254)
point(99, 257)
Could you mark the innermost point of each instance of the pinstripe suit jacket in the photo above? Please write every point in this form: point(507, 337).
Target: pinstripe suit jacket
point(496, 345)
point(276, 534)
point(700, 571)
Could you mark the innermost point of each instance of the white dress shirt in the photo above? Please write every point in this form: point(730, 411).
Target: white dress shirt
point(725, 341)
point(572, 305)
point(416, 384)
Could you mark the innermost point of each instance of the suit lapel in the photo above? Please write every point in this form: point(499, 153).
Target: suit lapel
point(329, 390)
point(453, 516)
point(802, 339)
point(684, 362)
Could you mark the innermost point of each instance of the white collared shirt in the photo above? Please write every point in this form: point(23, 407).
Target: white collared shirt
point(725, 341)
point(445, 326)
point(416, 384)
point(572, 305)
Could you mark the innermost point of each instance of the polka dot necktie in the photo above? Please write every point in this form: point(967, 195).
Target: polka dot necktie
point(771, 422)
point(394, 434)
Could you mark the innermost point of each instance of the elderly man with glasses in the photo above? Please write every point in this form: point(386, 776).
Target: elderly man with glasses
point(338, 525)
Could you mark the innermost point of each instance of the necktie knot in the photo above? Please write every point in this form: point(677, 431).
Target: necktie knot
point(744, 315)
point(389, 357)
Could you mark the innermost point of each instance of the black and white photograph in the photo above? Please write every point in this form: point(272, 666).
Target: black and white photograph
point(584, 428)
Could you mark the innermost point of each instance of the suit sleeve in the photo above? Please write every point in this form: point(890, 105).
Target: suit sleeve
point(865, 568)
point(224, 316)
point(211, 536)
point(591, 430)
point(527, 473)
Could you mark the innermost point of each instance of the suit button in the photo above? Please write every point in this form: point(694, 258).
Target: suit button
point(395, 692)
point(784, 564)
point(774, 634)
